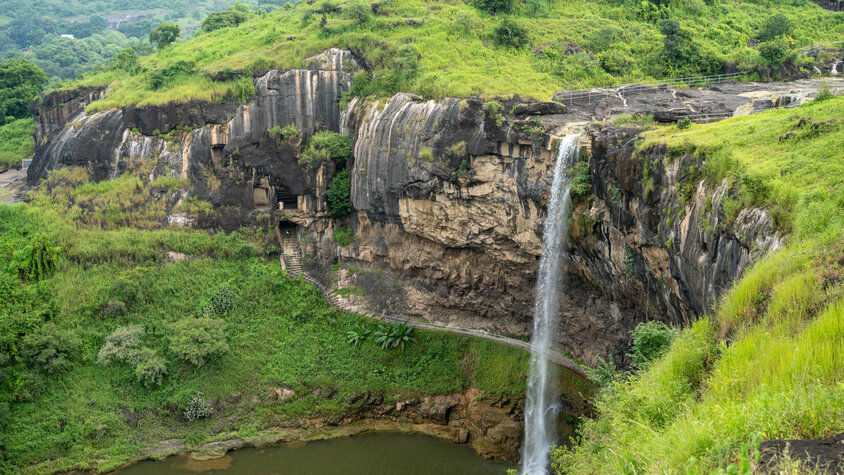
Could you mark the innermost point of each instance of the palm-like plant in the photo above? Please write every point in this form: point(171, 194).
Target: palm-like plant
point(357, 335)
point(396, 335)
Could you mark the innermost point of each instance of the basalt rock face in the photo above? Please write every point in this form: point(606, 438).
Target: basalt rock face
point(665, 252)
point(223, 151)
point(449, 198)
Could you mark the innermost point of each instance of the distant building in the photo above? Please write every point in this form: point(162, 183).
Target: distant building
point(68, 36)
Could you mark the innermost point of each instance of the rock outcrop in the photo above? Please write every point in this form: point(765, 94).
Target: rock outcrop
point(449, 196)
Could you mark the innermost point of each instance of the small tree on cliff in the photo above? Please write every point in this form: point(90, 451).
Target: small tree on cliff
point(164, 35)
point(339, 195)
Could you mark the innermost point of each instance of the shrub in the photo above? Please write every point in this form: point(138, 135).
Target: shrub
point(603, 374)
point(824, 92)
point(465, 22)
point(650, 341)
point(339, 195)
point(37, 260)
point(150, 368)
point(684, 123)
point(198, 408)
point(160, 78)
point(509, 33)
point(775, 52)
point(357, 334)
point(50, 349)
point(537, 8)
point(603, 38)
point(395, 335)
point(220, 304)
point(775, 26)
point(337, 147)
point(343, 235)
point(283, 134)
point(197, 340)
point(122, 345)
point(581, 181)
point(494, 6)
point(426, 154)
point(235, 15)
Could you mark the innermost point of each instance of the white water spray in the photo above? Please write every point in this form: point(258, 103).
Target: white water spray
point(541, 407)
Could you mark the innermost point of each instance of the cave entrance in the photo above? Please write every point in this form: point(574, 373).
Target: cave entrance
point(286, 199)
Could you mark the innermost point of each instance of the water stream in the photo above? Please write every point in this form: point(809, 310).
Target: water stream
point(541, 407)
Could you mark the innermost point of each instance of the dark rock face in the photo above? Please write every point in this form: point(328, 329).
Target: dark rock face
point(53, 110)
point(834, 5)
point(150, 120)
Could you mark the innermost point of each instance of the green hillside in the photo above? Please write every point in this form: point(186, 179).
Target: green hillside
point(458, 49)
point(768, 363)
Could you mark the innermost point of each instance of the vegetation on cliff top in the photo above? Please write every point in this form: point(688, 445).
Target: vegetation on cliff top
point(457, 49)
point(768, 363)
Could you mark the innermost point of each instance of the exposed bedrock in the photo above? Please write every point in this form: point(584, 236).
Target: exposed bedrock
point(449, 197)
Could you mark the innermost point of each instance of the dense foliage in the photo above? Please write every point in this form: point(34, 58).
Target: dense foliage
point(16, 142)
point(460, 49)
point(20, 82)
point(339, 195)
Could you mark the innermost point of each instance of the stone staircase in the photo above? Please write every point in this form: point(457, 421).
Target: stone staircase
point(291, 260)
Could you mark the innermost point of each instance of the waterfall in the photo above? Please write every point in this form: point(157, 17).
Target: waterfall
point(542, 392)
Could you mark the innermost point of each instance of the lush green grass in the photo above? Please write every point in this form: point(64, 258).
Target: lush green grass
point(280, 333)
point(16, 142)
point(769, 363)
point(452, 52)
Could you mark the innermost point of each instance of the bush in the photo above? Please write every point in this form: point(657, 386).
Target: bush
point(198, 408)
point(776, 26)
point(537, 8)
point(603, 374)
point(684, 123)
point(581, 181)
point(150, 368)
point(337, 147)
point(232, 17)
point(824, 93)
point(343, 235)
point(50, 349)
point(339, 195)
point(37, 260)
point(160, 78)
point(603, 38)
point(775, 52)
point(122, 345)
point(510, 33)
point(395, 335)
point(494, 6)
point(197, 340)
point(465, 22)
point(650, 341)
point(283, 134)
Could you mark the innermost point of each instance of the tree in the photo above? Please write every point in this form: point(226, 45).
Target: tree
point(359, 10)
point(20, 82)
point(50, 349)
point(196, 340)
point(510, 33)
point(494, 6)
point(774, 27)
point(164, 34)
point(233, 16)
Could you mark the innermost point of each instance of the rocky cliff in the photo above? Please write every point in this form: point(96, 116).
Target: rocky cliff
point(449, 197)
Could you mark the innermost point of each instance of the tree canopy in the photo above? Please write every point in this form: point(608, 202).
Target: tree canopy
point(20, 82)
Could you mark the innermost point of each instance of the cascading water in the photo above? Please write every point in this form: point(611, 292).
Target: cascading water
point(541, 407)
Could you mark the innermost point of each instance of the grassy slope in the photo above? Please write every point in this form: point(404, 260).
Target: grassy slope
point(16, 142)
point(463, 63)
point(769, 363)
point(280, 333)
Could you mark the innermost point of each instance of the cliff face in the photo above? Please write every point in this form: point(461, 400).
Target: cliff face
point(449, 200)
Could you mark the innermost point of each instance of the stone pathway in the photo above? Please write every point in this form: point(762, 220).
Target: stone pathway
point(11, 184)
point(291, 260)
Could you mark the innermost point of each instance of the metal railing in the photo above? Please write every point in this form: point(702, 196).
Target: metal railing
point(627, 89)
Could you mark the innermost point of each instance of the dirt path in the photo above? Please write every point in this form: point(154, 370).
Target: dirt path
point(11, 184)
point(290, 259)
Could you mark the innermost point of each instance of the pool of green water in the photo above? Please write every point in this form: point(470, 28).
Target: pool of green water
point(370, 454)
